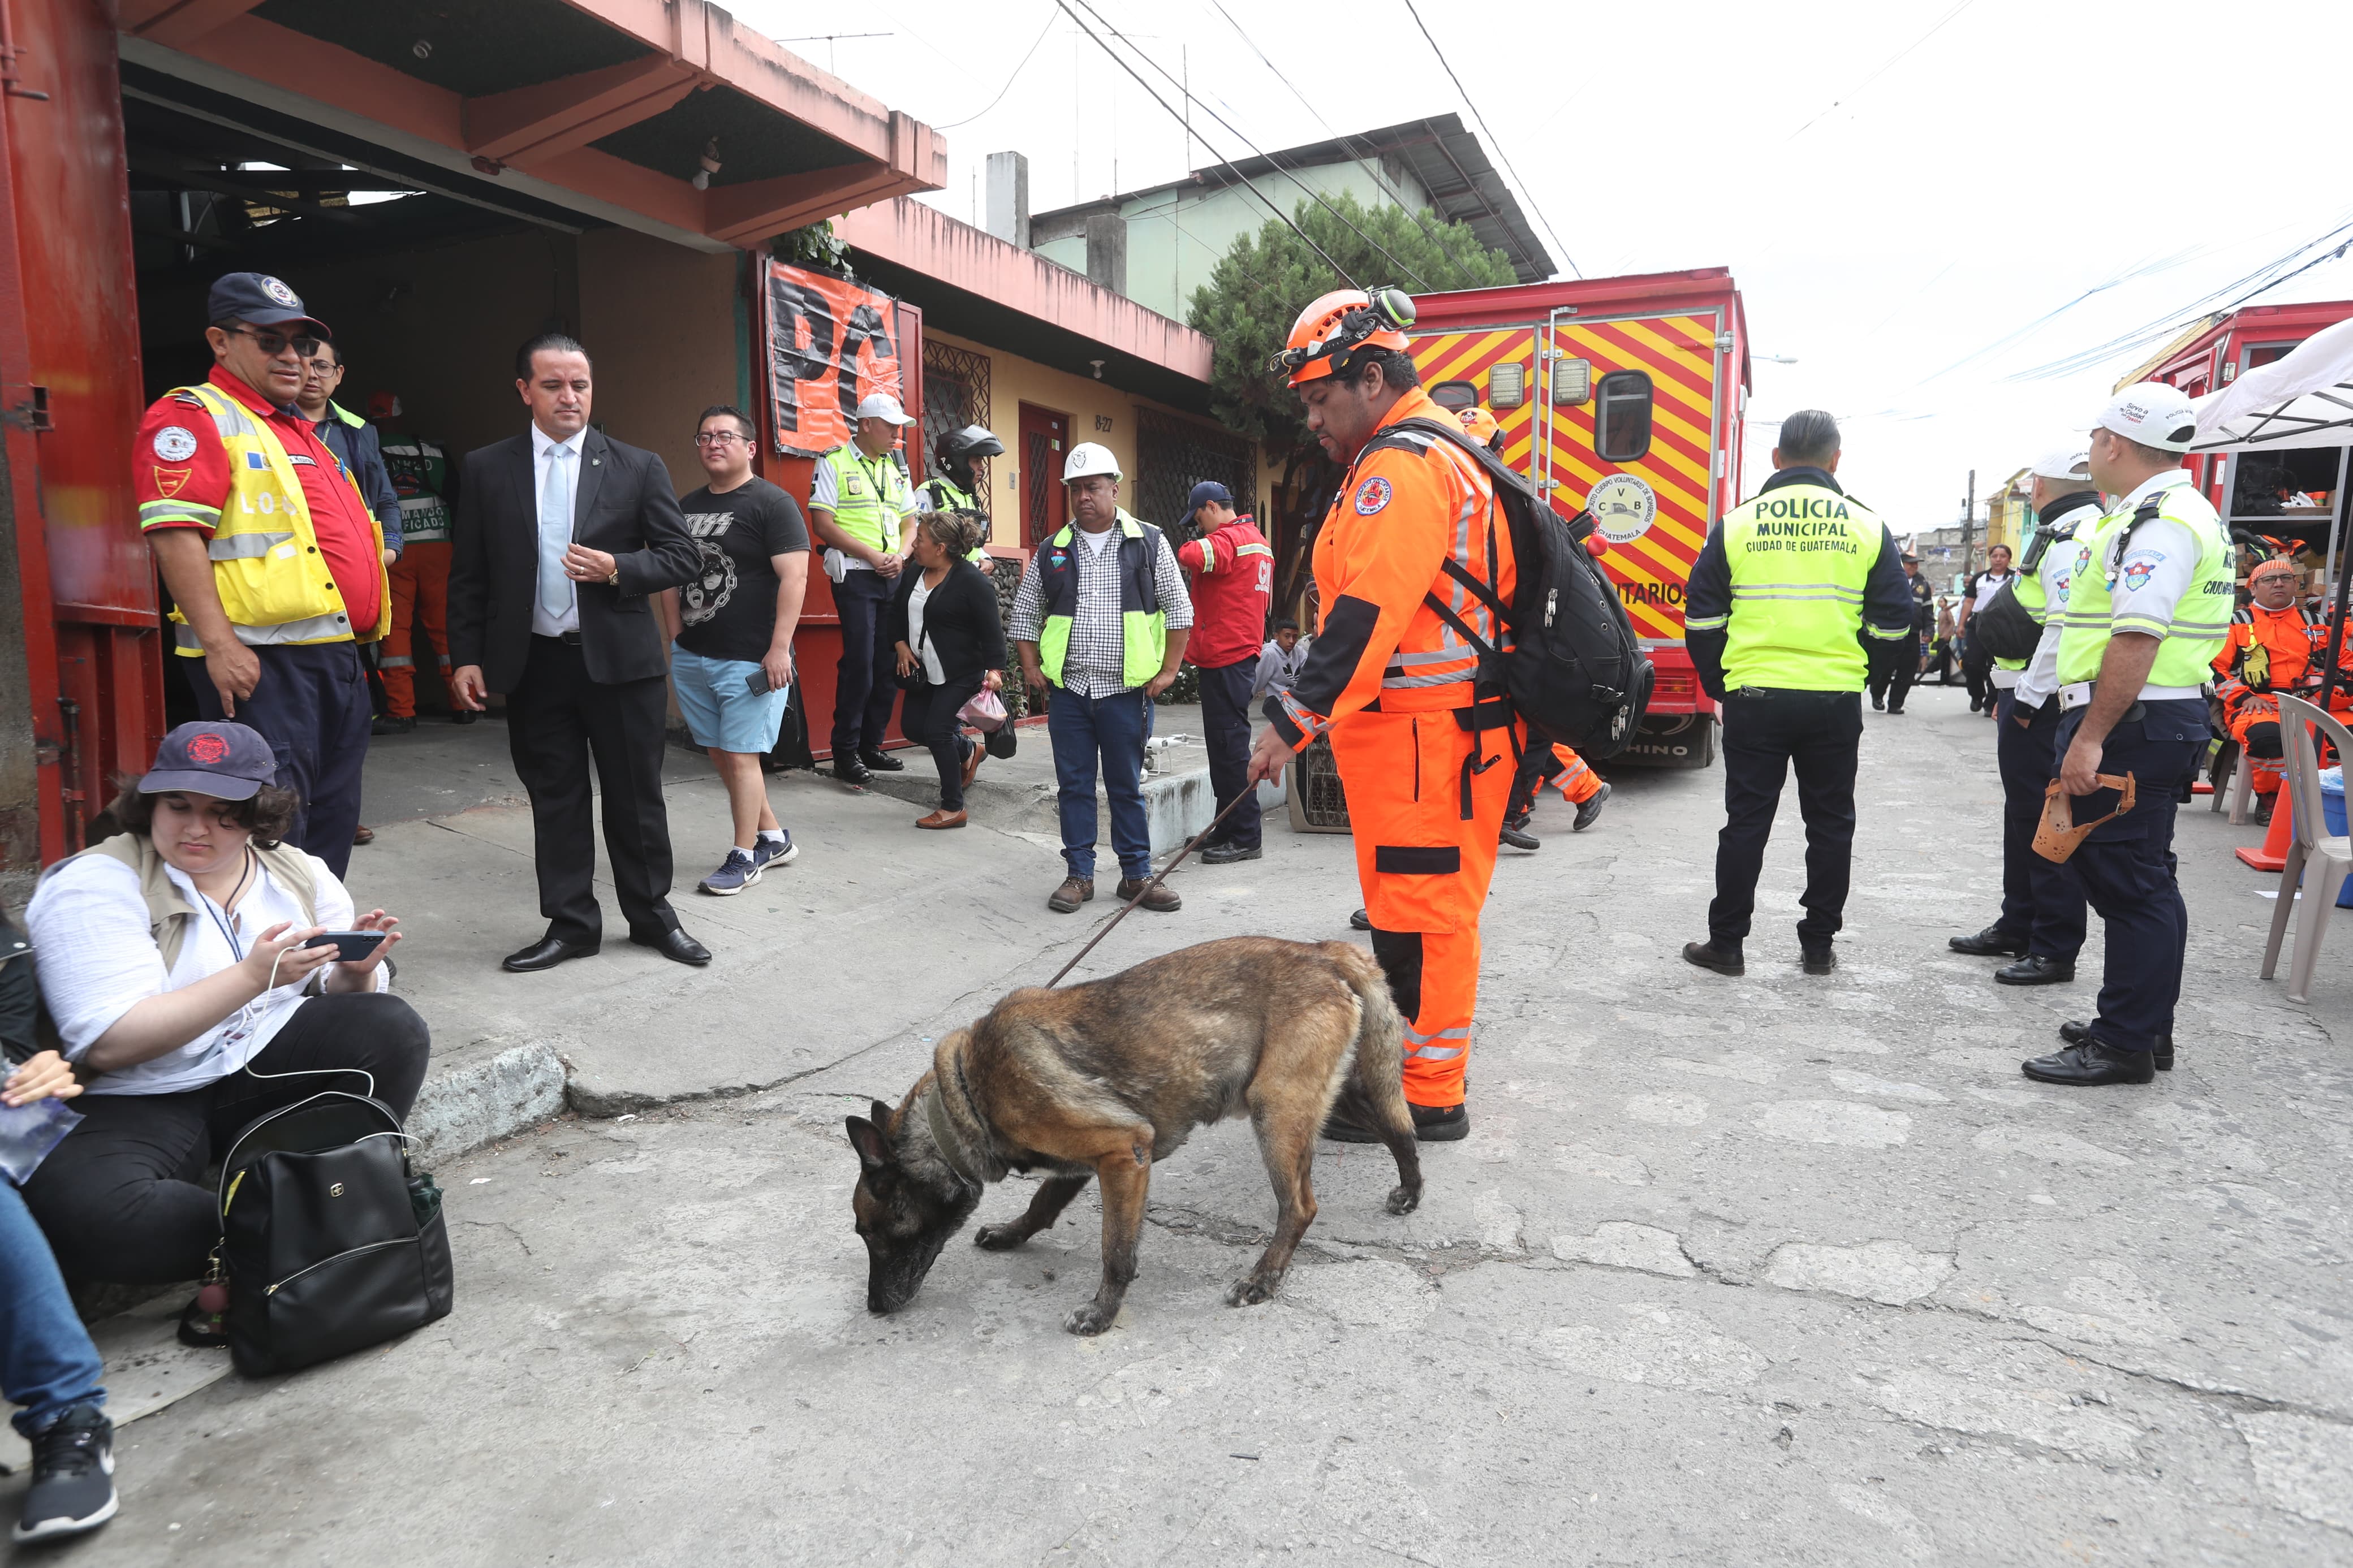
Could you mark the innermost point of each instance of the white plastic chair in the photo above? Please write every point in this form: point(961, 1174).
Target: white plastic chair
point(2327, 857)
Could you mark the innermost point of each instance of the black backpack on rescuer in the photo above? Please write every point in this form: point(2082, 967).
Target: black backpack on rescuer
point(1577, 674)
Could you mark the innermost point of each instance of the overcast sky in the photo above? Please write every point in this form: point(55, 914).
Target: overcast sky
point(1903, 188)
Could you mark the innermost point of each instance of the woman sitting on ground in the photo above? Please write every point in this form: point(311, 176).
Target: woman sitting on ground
point(951, 646)
point(172, 960)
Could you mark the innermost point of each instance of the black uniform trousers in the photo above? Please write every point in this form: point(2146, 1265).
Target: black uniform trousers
point(2127, 866)
point(1766, 732)
point(558, 721)
point(1901, 670)
point(866, 680)
point(313, 708)
point(1226, 726)
point(2042, 901)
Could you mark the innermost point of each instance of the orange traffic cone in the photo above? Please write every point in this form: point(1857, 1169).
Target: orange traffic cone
point(2272, 856)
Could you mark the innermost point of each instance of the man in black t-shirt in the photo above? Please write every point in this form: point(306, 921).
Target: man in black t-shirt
point(732, 656)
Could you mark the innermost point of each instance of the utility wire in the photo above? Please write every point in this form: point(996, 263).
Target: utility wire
point(1009, 80)
point(1317, 196)
point(1885, 66)
point(1493, 140)
point(1285, 217)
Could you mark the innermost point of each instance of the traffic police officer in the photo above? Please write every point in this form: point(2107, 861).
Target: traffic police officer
point(2042, 917)
point(859, 501)
point(955, 487)
point(1392, 686)
point(1795, 596)
point(2148, 608)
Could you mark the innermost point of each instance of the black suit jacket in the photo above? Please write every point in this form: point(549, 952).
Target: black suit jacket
point(960, 621)
point(622, 504)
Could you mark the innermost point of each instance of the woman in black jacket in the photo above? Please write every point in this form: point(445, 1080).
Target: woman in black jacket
point(951, 646)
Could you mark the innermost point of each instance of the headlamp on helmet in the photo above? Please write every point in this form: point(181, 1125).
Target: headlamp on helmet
point(1329, 331)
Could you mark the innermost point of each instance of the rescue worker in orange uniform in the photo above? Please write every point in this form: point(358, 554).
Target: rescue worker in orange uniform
point(1392, 685)
point(2274, 646)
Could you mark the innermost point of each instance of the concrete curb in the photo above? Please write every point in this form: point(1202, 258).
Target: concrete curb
point(460, 1110)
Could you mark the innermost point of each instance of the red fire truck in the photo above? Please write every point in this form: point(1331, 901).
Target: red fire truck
point(1622, 396)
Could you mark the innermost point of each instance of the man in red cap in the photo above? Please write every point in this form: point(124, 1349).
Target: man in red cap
point(275, 566)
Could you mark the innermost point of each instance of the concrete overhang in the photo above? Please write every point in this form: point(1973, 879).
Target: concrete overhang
point(972, 284)
point(599, 107)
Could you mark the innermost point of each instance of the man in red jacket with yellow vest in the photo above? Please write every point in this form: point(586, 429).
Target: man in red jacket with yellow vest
point(1425, 778)
point(1229, 570)
point(275, 565)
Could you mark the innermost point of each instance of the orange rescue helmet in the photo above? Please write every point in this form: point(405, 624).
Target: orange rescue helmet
point(1481, 425)
point(1343, 321)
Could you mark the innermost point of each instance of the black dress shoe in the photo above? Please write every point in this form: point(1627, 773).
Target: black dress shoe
point(2035, 970)
point(546, 953)
point(881, 762)
point(2076, 1033)
point(1990, 942)
point(2090, 1065)
point(850, 771)
point(1819, 960)
point(1227, 854)
point(677, 946)
point(1707, 955)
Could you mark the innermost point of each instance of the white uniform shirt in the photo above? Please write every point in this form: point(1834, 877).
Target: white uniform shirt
point(97, 960)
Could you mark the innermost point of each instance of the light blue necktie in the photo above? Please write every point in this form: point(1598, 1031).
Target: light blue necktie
point(555, 590)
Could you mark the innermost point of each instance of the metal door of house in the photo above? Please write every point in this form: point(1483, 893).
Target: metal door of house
point(1045, 441)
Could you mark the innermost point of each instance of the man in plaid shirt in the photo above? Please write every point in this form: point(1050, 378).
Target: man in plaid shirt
point(1102, 619)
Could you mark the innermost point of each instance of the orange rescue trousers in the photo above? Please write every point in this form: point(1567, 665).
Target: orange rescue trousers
point(420, 597)
point(1424, 871)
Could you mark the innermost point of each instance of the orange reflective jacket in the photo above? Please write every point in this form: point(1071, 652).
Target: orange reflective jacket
point(1401, 515)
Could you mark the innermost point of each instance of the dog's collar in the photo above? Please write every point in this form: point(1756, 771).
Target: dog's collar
point(943, 1136)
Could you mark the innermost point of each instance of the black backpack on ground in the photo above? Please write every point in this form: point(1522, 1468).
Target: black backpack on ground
point(1577, 674)
point(330, 1243)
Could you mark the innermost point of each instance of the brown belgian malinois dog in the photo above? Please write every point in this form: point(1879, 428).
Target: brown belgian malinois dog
point(1103, 1080)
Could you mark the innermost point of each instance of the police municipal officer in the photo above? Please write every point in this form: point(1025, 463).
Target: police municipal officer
point(1797, 596)
point(859, 501)
point(2148, 608)
point(2042, 920)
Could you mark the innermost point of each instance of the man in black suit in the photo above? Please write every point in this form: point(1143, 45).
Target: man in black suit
point(562, 537)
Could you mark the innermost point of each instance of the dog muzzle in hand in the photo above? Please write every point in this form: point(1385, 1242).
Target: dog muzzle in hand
point(2056, 837)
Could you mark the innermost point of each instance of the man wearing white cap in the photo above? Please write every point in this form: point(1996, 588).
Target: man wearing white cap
point(2148, 606)
point(2042, 917)
point(860, 500)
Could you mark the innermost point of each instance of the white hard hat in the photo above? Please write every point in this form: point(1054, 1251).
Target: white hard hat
point(2152, 414)
point(2072, 461)
point(1087, 459)
point(882, 406)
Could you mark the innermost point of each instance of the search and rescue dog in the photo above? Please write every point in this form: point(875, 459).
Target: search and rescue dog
point(1103, 1079)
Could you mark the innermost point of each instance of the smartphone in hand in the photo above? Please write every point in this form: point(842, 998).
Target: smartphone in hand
point(350, 946)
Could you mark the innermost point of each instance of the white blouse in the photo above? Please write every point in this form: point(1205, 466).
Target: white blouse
point(97, 960)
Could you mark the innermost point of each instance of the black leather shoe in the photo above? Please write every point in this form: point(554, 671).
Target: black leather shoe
point(850, 771)
point(1515, 833)
point(2090, 1065)
point(1360, 921)
point(2035, 970)
point(677, 946)
point(1227, 854)
point(1820, 959)
point(2076, 1033)
point(881, 762)
point(1707, 955)
point(1990, 942)
point(546, 953)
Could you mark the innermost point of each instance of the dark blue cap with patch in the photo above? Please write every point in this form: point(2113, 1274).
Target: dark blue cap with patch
point(1209, 490)
point(259, 300)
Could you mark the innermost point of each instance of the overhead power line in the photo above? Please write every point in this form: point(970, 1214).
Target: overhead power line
point(1009, 80)
point(1493, 140)
point(1304, 189)
point(1120, 60)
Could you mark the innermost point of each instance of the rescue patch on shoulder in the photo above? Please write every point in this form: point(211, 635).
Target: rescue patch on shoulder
point(175, 444)
point(1371, 495)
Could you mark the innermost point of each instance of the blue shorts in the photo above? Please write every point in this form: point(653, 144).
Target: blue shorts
point(720, 709)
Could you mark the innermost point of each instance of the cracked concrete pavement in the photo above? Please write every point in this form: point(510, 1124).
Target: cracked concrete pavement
point(1768, 1270)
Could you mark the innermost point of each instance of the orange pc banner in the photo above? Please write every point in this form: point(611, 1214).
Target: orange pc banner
point(829, 345)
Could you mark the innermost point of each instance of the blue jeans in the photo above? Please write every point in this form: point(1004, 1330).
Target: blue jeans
point(1112, 729)
point(46, 1362)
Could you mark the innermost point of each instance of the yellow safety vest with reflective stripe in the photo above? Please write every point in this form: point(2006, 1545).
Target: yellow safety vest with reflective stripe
point(1143, 619)
point(2201, 619)
point(1800, 556)
point(273, 582)
point(868, 497)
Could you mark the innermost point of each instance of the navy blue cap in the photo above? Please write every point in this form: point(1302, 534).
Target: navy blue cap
point(259, 300)
point(1209, 490)
point(228, 761)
